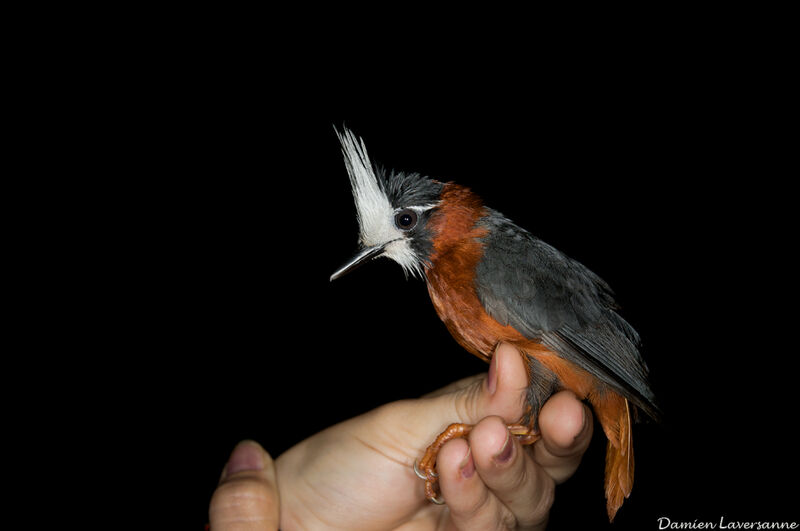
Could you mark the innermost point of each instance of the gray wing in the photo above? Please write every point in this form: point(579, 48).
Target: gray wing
point(547, 296)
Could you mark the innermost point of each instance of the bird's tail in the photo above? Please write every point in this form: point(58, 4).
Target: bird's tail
point(615, 416)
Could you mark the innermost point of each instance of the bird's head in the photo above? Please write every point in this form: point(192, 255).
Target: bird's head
point(392, 208)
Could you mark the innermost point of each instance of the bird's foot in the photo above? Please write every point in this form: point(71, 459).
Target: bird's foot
point(425, 469)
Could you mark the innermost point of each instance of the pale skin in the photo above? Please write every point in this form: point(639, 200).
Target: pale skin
point(358, 474)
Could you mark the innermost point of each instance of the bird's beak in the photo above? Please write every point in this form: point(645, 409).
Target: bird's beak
point(364, 256)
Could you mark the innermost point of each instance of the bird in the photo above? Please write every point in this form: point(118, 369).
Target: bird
point(493, 282)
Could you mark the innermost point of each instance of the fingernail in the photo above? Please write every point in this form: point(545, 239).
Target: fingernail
point(467, 466)
point(504, 455)
point(491, 378)
point(246, 456)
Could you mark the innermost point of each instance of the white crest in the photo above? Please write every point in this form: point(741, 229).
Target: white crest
point(373, 209)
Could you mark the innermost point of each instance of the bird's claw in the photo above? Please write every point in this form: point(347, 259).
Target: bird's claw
point(438, 500)
point(431, 478)
point(428, 473)
point(420, 475)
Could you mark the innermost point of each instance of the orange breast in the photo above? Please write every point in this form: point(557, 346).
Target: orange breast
point(457, 248)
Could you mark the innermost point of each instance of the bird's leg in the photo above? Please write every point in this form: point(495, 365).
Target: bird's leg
point(524, 434)
point(526, 429)
point(428, 461)
point(426, 468)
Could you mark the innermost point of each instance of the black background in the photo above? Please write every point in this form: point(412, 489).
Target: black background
point(224, 207)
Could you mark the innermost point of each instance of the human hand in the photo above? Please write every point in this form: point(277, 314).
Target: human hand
point(247, 496)
point(358, 474)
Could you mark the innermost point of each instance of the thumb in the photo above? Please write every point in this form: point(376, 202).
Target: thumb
point(502, 392)
point(247, 496)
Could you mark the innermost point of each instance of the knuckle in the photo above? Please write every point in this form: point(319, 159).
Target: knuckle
point(540, 511)
point(243, 499)
point(476, 510)
point(518, 477)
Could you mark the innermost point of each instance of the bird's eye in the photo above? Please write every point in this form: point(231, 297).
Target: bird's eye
point(405, 219)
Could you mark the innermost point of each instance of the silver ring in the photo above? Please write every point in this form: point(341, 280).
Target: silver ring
point(437, 501)
point(419, 474)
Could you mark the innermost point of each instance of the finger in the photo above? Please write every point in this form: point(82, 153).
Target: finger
point(566, 426)
point(501, 392)
point(471, 504)
point(247, 496)
point(511, 475)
